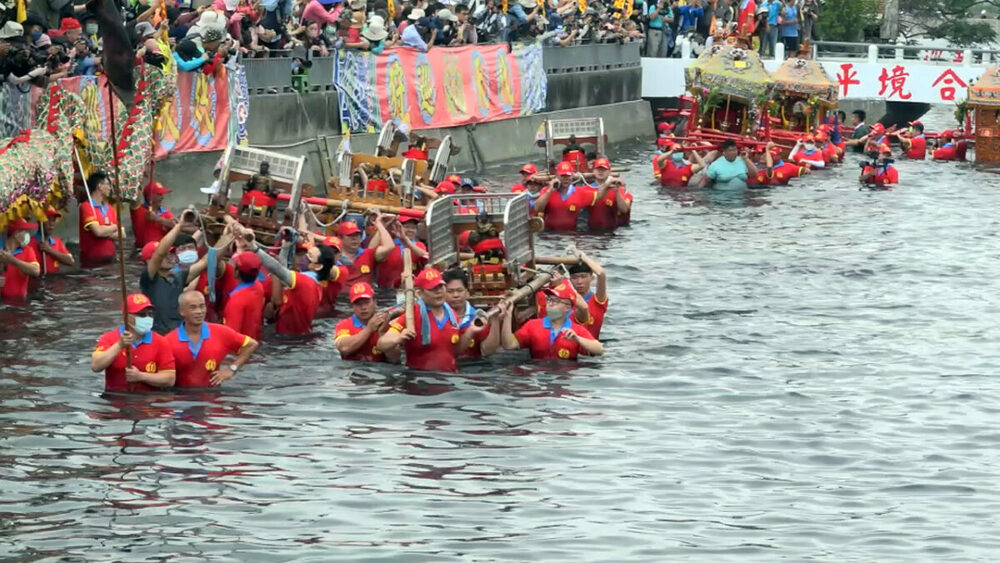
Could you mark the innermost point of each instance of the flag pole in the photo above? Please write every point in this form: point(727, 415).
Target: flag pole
point(118, 211)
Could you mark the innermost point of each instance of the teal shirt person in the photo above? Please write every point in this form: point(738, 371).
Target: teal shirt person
point(728, 175)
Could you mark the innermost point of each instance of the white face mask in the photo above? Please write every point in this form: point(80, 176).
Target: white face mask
point(143, 325)
point(187, 257)
point(25, 239)
point(810, 146)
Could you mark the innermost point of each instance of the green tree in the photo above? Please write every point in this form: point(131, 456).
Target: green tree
point(845, 20)
point(945, 19)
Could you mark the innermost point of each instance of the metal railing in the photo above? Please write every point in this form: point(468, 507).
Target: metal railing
point(273, 75)
point(932, 54)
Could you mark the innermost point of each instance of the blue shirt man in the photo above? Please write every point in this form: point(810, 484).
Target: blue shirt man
point(689, 16)
point(790, 14)
point(773, 10)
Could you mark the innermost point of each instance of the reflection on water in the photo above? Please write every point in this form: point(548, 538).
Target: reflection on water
point(798, 372)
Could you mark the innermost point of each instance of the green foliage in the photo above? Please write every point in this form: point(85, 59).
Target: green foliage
point(946, 19)
point(845, 20)
point(962, 33)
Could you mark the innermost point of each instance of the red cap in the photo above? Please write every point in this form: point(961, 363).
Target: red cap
point(362, 290)
point(409, 219)
point(333, 242)
point(529, 169)
point(154, 188)
point(915, 122)
point(809, 138)
point(445, 188)
point(69, 23)
point(821, 135)
point(51, 212)
point(348, 228)
point(884, 148)
point(662, 127)
point(147, 250)
point(463, 240)
point(429, 279)
point(21, 225)
point(878, 127)
point(137, 303)
point(453, 178)
point(564, 169)
point(247, 262)
point(602, 163)
point(947, 133)
point(562, 291)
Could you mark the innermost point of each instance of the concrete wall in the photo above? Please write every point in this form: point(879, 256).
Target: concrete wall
point(580, 89)
point(492, 143)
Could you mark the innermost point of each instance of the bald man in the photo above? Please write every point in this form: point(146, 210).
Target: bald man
point(200, 348)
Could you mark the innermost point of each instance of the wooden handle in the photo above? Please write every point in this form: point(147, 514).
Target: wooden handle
point(408, 284)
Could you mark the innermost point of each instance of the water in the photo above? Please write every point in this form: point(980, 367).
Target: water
point(803, 373)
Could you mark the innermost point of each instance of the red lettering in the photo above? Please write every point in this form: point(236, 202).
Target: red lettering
point(847, 77)
point(947, 79)
point(896, 81)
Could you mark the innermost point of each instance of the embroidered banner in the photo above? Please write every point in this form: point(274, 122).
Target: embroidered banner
point(198, 118)
point(445, 87)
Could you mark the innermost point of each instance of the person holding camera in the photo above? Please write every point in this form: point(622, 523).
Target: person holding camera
point(661, 15)
point(880, 171)
point(171, 264)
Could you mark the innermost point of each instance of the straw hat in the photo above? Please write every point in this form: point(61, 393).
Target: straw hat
point(375, 30)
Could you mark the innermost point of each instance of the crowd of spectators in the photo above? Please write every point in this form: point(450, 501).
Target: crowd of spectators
point(60, 38)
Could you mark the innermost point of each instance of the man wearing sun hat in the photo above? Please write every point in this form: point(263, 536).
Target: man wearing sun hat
point(881, 172)
point(152, 362)
point(555, 337)
point(433, 343)
point(563, 200)
point(356, 337)
point(19, 259)
point(375, 33)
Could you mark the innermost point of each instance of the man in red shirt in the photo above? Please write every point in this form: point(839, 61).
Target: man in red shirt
point(200, 348)
point(556, 337)
point(581, 277)
point(133, 357)
point(361, 261)
point(563, 200)
point(527, 172)
point(434, 342)
point(913, 141)
point(150, 220)
point(609, 201)
point(20, 261)
point(389, 272)
point(806, 153)
point(484, 343)
point(625, 218)
point(244, 310)
point(98, 223)
point(831, 154)
point(675, 172)
point(947, 150)
point(356, 337)
point(778, 172)
point(298, 294)
point(51, 248)
point(883, 173)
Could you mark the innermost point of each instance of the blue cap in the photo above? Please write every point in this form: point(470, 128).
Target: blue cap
point(468, 182)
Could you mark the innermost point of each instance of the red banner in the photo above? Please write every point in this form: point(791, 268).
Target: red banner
point(195, 119)
point(448, 87)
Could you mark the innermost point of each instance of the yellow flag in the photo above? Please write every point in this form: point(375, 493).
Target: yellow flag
point(391, 6)
point(581, 5)
point(22, 12)
point(628, 8)
point(541, 4)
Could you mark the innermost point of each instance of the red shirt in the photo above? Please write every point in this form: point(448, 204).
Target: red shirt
point(145, 229)
point(244, 310)
point(15, 284)
point(604, 212)
point(545, 343)
point(562, 210)
point(416, 154)
point(367, 352)
point(378, 185)
point(389, 272)
point(441, 353)
point(625, 217)
point(518, 188)
point(597, 311)
point(475, 349)
point(829, 152)
point(151, 354)
point(94, 249)
point(225, 282)
point(577, 158)
point(883, 176)
point(361, 269)
point(745, 21)
point(947, 152)
point(780, 174)
point(257, 199)
point(299, 304)
point(51, 265)
point(196, 362)
point(673, 176)
point(332, 287)
point(814, 158)
point(918, 148)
